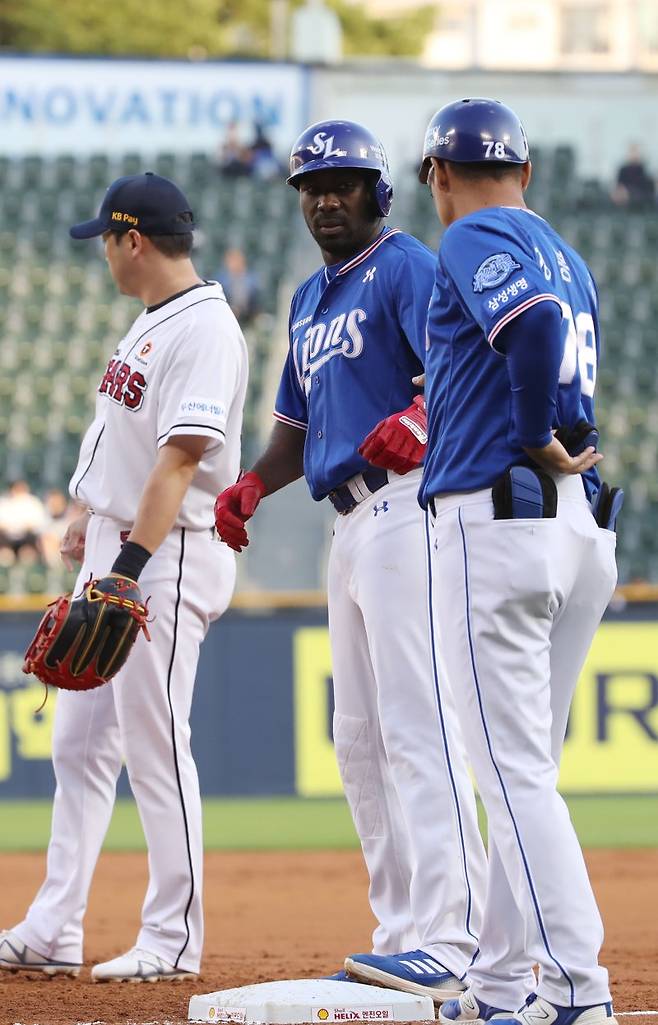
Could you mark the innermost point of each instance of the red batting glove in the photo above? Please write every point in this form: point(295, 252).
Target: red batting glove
point(399, 442)
point(236, 505)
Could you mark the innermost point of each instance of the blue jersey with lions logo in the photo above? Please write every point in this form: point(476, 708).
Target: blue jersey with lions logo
point(492, 266)
point(357, 337)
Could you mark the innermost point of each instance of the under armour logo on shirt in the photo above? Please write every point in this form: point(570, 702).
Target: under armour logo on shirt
point(369, 274)
point(380, 508)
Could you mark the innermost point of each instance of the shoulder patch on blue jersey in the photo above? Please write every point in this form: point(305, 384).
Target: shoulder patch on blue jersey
point(493, 271)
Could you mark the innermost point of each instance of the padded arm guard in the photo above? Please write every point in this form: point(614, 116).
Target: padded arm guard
point(83, 643)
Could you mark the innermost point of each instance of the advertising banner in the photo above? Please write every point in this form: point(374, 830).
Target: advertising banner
point(67, 105)
point(262, 713)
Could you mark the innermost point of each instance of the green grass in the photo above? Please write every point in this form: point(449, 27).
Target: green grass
point(295, 824)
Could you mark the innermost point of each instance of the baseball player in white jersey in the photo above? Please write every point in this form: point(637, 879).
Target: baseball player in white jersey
point(165, 438)
point(357, 336)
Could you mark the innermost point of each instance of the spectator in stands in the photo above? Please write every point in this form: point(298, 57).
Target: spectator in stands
point(234, 159)
point(60, 510)
point(635, 186)
point(263, 161)
point(22, 521)
point(240, 284)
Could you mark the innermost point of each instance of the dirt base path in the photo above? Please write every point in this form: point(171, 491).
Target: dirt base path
point(281, 915)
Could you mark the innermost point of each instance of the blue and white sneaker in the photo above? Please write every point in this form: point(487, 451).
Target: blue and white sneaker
point(537, 1011)
point(340, 976)
point(412, 972)
point(467, 1008)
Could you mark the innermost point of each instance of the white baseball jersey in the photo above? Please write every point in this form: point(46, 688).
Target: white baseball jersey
point(181, 369)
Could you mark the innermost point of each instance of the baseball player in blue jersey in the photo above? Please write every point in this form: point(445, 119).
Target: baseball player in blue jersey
point(357, 337)
point(521, 569)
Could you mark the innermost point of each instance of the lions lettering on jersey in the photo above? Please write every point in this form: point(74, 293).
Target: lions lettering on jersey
point(493, 265)
point(356, 339)
point(321, 342)
point(123, 385)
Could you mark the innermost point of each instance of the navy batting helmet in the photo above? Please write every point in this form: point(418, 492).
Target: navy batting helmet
point(474, 131)
point(330, 144)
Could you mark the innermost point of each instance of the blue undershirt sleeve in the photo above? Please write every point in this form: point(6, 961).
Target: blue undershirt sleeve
point(532, 344)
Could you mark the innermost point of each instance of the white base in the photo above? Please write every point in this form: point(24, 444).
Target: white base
point(309, 1000)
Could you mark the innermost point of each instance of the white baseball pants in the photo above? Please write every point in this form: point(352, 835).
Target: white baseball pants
point(398, 747)
point(142, 716)
point(516, 604)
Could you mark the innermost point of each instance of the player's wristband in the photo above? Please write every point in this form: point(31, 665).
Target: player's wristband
point(131, 560)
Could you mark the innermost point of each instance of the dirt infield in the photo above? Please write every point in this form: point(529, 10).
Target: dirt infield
point(282, 915)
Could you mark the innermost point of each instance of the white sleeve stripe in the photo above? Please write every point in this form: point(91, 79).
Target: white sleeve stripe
point(289, 420)
point(200, 428)
point(544, 297)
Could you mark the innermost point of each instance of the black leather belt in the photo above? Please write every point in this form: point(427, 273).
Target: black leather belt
point(353, 492)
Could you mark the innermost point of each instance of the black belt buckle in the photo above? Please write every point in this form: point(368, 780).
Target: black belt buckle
point(344, 501)
point(524, 492)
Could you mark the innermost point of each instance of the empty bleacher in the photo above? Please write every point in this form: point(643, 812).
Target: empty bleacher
point(60, 314)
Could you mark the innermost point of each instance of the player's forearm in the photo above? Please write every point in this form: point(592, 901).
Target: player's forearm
point(282, 462)
point(165, 490)
point(160, 504)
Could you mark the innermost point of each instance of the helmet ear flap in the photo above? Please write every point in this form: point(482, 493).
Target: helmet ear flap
point(383, 195)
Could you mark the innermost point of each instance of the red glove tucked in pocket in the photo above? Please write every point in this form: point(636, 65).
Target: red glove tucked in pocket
point(399, 442)
point(234, 506)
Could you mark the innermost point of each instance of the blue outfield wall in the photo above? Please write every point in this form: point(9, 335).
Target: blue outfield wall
point(242, 714)
point(261, 719)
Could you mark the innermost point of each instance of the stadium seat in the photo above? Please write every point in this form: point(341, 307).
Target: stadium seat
point(31, 172)
point(98, 174)
point(133, 163)
point(166, 164)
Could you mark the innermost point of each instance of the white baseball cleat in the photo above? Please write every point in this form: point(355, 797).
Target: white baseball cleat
point(16, 956)
point(537, 1011)
point(467, 1008)
point(138, 965)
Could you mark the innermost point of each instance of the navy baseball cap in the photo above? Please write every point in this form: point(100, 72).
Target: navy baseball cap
point(150, 204)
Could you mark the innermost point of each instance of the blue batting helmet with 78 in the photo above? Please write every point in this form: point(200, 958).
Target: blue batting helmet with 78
point(331, 144)
point(472, 131)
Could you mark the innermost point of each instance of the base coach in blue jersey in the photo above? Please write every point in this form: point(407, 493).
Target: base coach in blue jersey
point(523, 561)
point(357, 337)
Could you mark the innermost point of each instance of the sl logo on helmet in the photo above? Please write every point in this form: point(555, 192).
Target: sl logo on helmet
point(493, 271)
point(322, 143)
